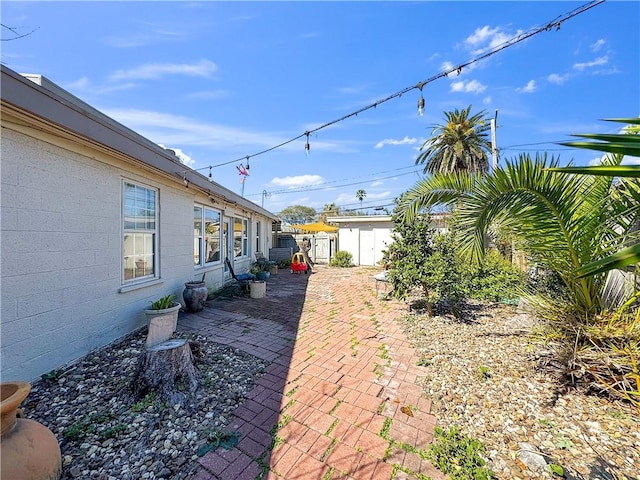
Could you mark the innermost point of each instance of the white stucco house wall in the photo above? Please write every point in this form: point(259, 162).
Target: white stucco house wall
point(366, 237)
point(97, 222)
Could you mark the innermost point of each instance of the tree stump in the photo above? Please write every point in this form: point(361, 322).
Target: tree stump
point(166, 368)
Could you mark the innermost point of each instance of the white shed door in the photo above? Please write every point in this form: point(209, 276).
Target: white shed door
point(367, 245)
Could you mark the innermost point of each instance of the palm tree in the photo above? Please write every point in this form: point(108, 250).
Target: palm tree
point(327, 210)
point(627, 143)
point(461, 144)
point(564, 221)
point(360, 194)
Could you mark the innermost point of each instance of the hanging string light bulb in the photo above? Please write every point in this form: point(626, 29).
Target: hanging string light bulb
point(307, 147)
point(210, 175)
point(421, 101)
point(185, 180)
point(247, 167)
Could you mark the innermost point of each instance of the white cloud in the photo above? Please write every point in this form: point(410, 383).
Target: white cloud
point(487, 100)
point(79, 84)
point(377, 183)
point(391, 141)
point(628, 160)
point(530, 87)
point(457, 86)
point(204, 68)
point(374, 196)
point(472, 86)
point(296, 181)
point(594, 63)
point(179, 130)
point(487, 38)
point(480, 35)
point(598, 45)
point(446, 66)
point(558, 79)
point(183, 157)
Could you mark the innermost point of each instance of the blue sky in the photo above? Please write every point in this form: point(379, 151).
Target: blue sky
point(219, 81)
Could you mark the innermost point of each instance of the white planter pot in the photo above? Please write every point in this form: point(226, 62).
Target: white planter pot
point(258, 289)
point(161, 324)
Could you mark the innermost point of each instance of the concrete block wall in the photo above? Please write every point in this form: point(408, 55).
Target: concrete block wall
point(61, 288)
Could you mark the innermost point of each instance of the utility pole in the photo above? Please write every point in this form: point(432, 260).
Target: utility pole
point(494, 149)
point(265, 194)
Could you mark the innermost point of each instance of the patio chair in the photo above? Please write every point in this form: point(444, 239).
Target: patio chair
point(242, 279)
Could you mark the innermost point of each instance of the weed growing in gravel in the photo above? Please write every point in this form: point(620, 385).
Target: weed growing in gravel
point(218, 438)
point(147, 401)
point(484, 372)
point(458, 455)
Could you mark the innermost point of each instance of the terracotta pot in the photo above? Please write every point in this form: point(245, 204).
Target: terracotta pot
point(28, 449)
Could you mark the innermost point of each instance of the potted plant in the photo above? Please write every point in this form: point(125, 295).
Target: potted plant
point(162, 319)
point(261, 269)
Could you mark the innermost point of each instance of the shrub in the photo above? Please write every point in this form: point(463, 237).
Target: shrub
point(342, 259)
point(496, 279)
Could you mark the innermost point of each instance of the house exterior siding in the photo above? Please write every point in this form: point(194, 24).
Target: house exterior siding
point(62, 288)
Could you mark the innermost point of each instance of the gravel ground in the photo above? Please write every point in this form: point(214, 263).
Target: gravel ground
point(482, 377)
point(105, 434)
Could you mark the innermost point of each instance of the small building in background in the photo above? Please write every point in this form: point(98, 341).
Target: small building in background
point(366, 237)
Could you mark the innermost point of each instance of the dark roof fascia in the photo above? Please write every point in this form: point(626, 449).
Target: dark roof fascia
point(72, 114)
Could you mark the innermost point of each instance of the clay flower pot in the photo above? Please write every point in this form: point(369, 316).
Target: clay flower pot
point(195, 296)
point(28, 449)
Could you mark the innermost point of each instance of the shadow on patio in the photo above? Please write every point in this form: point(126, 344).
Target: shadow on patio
point(339, 398)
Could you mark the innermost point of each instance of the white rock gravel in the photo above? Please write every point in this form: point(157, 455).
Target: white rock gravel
point(482, 377)
point(105, 435)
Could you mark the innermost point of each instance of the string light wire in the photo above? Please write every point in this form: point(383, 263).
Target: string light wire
point(458, 68)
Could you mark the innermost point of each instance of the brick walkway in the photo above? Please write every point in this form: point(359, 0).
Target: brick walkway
point(339, 398)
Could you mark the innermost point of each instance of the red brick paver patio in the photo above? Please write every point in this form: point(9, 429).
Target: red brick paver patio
point(339, 398)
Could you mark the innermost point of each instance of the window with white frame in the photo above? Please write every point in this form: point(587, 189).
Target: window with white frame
point(240, 237)
point(206, 236)
point(140, 227)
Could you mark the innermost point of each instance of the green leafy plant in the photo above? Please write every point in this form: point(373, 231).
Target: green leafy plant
point(284, 263)
point(163, 303)
point(458, 455)
point(342, 259)
point(627, 143)
point(494, 279)
point(421, 258)
point(216, 439)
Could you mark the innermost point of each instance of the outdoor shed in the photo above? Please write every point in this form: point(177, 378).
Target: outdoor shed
point(97, 222)
point(364, 236)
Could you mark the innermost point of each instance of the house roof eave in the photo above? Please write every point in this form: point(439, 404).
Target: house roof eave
point(50, 103)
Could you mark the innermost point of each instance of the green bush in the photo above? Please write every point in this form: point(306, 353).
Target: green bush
point(342, 259)
point(495, 279)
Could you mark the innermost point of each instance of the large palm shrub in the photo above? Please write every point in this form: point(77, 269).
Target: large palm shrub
point(563, 221)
